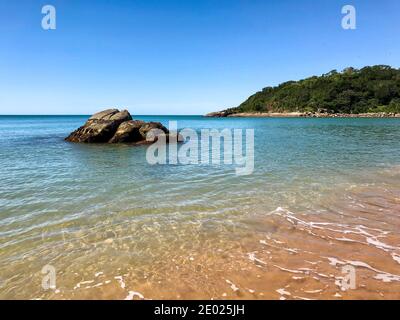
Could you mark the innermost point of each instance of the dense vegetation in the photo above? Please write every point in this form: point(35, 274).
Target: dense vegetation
point(370, 89)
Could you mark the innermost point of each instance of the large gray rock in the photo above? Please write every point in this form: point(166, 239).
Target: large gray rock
point(111, 115)
point(121, 116)
point(114, 126)
point(101, 127)
point(154, 127)
point(94, 132)
point(104, 115)
point(128, 131)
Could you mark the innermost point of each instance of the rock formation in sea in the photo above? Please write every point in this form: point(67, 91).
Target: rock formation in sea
point(114, 126)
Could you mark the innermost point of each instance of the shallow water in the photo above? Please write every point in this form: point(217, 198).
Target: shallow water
point(325, 193)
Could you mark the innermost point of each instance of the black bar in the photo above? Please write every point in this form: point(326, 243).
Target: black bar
point(196, 309)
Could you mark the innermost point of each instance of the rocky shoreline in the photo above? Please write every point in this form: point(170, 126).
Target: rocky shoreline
point(114, 126)
point(225, 114)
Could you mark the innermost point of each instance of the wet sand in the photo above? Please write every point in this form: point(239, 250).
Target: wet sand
point(277, 255)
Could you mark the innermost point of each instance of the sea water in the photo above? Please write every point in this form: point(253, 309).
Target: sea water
point(324, 195)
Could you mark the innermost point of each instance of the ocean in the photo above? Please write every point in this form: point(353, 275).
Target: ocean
point(324, 198)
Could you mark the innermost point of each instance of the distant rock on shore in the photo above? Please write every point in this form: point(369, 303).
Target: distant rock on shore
point(114, 126)
point(225, 114)
point(218, 114)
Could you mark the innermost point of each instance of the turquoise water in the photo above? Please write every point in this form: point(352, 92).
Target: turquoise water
point(53, 193)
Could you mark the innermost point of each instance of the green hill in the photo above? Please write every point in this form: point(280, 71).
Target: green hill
point(370, 89)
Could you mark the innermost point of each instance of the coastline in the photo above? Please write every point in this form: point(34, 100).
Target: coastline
point(224, 114)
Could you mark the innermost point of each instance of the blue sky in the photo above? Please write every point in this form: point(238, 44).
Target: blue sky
point(179, 57)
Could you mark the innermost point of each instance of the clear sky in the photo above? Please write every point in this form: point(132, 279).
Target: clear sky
point(179, 57)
